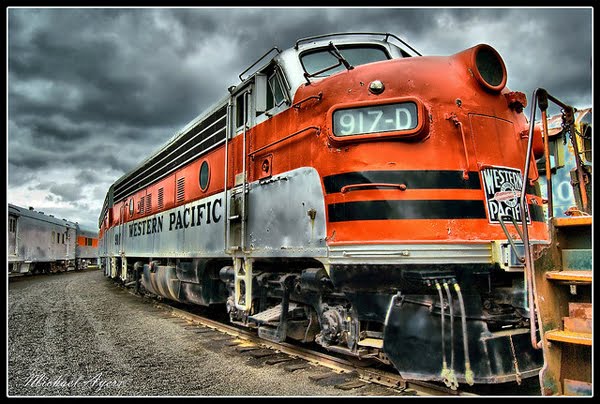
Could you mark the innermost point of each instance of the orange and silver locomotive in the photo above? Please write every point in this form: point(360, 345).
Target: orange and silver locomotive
point(353, 193)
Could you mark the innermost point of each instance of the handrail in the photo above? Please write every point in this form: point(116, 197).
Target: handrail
point(121, 222)
point(310, 97)
point(348, 188)
point(244, 179)
point(454, 119)
point(529, 268)
point(541, 98)
point(226, 222)
point(385, 34)
point(403, 43)
point(509, 238)
point(547, 163)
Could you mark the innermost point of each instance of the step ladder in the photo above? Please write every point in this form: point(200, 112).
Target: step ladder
point(565, 307)
point(559, 274)
point(273, 322)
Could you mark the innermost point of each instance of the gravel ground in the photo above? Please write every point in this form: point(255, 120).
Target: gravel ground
point(78, 334)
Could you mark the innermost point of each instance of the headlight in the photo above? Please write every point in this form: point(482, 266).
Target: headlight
point(485, 65)
point(488, 68)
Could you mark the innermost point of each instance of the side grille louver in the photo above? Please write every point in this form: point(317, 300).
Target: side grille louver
point(206, 133)
point(180, 189)
point(161, 196)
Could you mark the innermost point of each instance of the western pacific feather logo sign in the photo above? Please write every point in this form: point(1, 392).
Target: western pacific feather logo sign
point(503, 187)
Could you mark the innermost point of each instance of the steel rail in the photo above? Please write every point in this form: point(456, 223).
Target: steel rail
point(334, 363)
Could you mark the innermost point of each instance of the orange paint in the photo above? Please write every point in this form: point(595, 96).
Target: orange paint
point(82, 241)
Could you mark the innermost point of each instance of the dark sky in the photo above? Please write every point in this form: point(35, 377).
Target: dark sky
point(93, 92)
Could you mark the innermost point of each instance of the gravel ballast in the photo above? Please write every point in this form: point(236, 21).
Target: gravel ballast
point(78, 334)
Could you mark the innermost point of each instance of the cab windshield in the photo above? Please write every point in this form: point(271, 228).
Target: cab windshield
point(325, 62)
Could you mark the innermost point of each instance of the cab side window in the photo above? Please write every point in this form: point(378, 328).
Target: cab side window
point(275, 94)
point(240, 103)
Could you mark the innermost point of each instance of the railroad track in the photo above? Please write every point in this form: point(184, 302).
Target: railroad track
point(247, 340)
point(336, 364)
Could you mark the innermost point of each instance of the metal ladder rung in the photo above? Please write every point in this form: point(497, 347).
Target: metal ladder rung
point(371, 342)
point(572, 221)
point(574, 276)
point(569, 337)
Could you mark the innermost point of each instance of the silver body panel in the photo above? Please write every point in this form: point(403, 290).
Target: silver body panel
point(403, 254)
point(281, 223)
point(286, 216)
point(188, 230)
point(87, 252)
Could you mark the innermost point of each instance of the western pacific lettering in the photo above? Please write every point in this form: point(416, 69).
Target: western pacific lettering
point(503, 187)
point(494, 178)
point(148, 226)
point(182, 218)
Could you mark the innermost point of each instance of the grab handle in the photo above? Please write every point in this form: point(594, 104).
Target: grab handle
point(371, 185)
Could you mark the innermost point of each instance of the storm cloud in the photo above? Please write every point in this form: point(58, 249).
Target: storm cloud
point(93, 92)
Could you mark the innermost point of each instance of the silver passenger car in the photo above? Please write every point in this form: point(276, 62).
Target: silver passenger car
point(39, 243)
